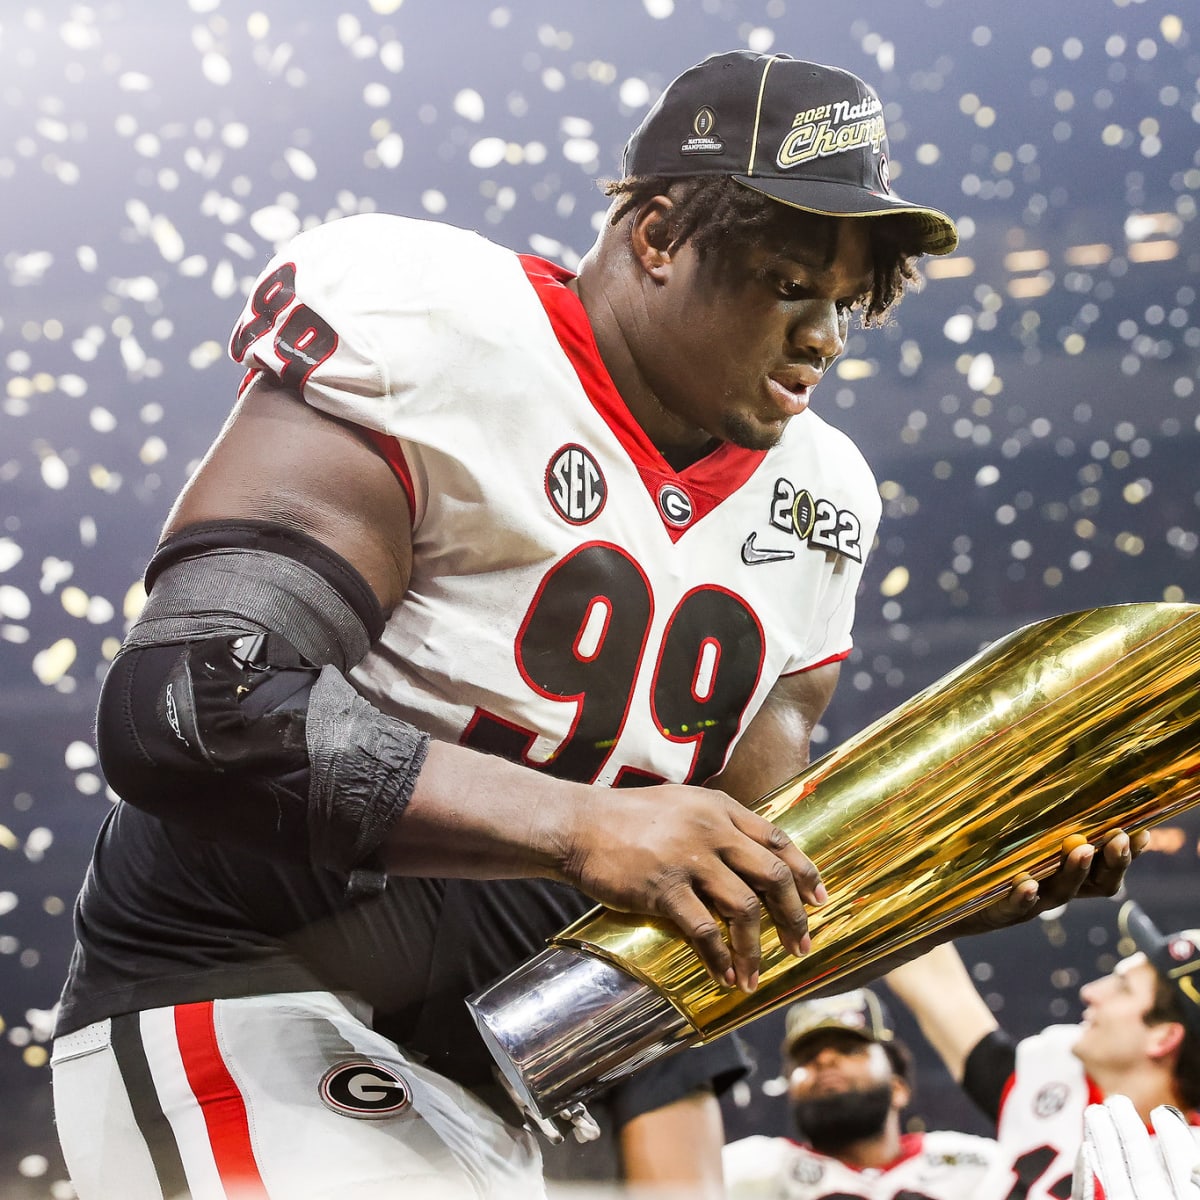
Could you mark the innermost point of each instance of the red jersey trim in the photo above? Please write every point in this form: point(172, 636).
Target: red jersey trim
point(911, 1145)
point(393, 454)
point(714, 478)
point(220, 1101)
point(840, 656)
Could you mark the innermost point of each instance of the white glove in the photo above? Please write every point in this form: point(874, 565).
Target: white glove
point(1119, 1160)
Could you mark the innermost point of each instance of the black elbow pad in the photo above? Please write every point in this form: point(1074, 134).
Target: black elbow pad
point(196, 734)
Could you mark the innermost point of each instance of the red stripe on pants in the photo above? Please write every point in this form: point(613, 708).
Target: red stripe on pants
point(219, 1099)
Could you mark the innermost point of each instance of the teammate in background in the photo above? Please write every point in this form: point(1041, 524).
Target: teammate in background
point(490, 601)
point(849, 1081)
point(1139, 1037)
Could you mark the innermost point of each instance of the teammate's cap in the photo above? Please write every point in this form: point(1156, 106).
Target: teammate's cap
point(804, 134)
point(860, 1012)
point(1175, 956)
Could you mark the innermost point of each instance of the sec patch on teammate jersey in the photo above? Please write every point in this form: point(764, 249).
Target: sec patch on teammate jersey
point(361, 1088)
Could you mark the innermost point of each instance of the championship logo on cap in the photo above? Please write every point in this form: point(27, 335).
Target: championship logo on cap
point(809, 136)
point(1174, 956)
point(703, 142)
point(1180, 949)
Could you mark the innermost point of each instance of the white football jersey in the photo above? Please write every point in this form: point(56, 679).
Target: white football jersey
point(1041, 1115)
point(943, 1165)
point(574, 600)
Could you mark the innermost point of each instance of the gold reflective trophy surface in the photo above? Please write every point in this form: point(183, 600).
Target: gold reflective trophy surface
point(1074, 725)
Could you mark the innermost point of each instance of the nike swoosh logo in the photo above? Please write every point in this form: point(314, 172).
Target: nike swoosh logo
point(751, 554)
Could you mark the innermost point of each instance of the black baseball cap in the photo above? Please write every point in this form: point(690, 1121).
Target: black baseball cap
point(860, 1012)
point(807, 135)
point(1174, 956)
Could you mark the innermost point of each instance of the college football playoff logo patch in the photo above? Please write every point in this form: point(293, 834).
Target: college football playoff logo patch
point(703, 139)
point(364, 1089)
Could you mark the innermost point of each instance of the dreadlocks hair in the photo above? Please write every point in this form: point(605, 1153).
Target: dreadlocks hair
point(1166, 1007)
point(721, 218)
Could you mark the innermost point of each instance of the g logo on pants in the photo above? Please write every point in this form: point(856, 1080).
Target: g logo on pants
point(361, 1088)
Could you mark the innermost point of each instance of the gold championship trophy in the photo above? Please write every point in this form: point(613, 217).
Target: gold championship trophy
point(1075, 725)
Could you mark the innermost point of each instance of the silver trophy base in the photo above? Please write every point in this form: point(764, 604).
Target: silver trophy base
point(564, 1025)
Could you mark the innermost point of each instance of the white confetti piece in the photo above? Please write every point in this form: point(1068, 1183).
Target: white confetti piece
point(468, 103)
point(274, 223)
point(300, 163)
point(14, 603)
point(55, 473)
point(79, 756)
point(487, 152)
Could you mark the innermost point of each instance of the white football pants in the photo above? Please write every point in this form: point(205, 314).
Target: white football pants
point(283, 1097)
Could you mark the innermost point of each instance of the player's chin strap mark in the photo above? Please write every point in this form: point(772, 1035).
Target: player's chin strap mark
point(232, 683)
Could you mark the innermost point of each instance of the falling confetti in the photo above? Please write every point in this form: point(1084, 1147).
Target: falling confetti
point(1033, 415)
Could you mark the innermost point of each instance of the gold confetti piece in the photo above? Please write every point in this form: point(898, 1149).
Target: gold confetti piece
point(51, 664)
point(894, 582)
point(7, 838)
point(75, 601)
point(135, 601)
point(35, 1056)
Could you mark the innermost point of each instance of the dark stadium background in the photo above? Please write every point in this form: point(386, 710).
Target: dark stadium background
point(1032, 417)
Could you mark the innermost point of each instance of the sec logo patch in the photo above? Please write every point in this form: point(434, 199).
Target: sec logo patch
point(361, 1088)
point(575, 485)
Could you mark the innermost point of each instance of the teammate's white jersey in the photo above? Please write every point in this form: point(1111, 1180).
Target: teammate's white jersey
point(1041, 1115)
point(943, 1165)
point(632, 615)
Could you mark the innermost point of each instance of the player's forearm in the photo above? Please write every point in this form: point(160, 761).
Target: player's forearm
point(938, 990)
point(474, 815)
point(677, 1148)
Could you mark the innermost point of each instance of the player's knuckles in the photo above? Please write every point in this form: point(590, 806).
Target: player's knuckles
point(706, 933)
point(777, 840)
point(742, 908)
point(778, 877)
point(795, 919)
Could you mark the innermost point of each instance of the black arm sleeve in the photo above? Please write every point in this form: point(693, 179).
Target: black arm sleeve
point(227, 711)
point(988, 1070)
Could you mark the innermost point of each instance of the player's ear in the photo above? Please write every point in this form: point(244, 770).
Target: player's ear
point(901, 1094)
point(651, 235)
point(1165, 1038)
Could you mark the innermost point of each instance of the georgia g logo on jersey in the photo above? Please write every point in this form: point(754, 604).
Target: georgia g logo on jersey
point(364, 1089)
point(1051, 1099)
point(575, 485)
